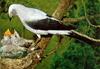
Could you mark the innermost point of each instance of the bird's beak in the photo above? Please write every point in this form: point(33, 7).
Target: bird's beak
point(7, 33)
point(10, 18)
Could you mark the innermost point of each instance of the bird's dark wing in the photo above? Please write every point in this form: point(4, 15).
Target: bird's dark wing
point(49, 24)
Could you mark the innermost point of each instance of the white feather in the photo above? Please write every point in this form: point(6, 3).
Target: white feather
point(30, 14)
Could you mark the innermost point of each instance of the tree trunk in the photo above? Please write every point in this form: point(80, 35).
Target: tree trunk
point(62, 7)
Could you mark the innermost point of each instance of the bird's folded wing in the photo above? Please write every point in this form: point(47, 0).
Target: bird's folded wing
point(49, 24)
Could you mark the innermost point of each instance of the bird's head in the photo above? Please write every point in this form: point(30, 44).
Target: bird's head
point(7, 33)
point(12, 11)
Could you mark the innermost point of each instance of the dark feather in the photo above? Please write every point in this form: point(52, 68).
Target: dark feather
point(49, 24)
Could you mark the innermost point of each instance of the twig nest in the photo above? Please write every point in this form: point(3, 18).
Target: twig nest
point(7, 63)
point(13, 46)
point(12, 52)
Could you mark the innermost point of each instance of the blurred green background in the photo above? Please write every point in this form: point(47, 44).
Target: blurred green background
point(72, 53)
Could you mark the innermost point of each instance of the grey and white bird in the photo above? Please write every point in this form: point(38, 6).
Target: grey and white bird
point(38, 21)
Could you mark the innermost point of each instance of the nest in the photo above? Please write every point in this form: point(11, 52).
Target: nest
point(7, 63)
point(26, 62)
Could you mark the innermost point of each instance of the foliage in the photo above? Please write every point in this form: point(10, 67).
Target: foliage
point(75, 57)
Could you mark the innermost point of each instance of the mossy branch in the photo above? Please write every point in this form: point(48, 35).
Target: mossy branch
point(75, 20)
point(86, 17)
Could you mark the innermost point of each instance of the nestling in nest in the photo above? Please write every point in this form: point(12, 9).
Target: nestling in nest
point(13, 45)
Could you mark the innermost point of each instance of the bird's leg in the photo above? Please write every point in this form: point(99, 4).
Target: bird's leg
point(34, 46)
point(39, 36)
point(38, 39)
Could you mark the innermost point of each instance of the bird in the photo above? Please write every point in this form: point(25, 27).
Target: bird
point(37, 21)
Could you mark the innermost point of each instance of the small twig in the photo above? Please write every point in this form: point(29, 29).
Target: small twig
point(86, 17)
point(75, 20)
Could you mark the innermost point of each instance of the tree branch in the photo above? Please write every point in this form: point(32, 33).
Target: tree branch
point(86, 17)
point(74, 20)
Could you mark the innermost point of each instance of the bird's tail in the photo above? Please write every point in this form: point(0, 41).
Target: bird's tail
point(84, 38)
point(70, 27)
point(59, 32)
